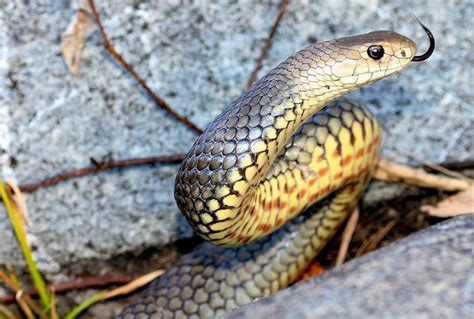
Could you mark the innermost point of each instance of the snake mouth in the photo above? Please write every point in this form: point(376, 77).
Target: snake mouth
point(427, 54)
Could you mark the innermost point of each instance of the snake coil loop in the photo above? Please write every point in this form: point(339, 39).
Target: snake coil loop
point(281, 147)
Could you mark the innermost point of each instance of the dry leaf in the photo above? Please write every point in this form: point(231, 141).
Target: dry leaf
point(81, 25)
point(18, 201)
point(458, 204)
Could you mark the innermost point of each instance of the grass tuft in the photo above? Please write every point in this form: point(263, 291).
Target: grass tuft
point(20, 234)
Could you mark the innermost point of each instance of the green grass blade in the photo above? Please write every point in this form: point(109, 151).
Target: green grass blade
point(85, 304)
point(20, 233)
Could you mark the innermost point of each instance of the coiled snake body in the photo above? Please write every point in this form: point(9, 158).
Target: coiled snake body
point(269, 156)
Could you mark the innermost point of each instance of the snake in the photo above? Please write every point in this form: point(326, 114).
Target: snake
point(271, 179)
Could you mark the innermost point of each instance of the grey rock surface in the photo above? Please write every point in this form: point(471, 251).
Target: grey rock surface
point(197, 56)
point(426, 275)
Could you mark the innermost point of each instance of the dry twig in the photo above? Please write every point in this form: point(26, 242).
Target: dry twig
point(456, 166)
point(77, 284)
point(159, 101)
point(375, 239)
point(437, 168)
point(99, 167)
point(347, 236)
point(268, 43)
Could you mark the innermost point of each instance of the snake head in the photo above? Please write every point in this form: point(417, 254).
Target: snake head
point(371, 57)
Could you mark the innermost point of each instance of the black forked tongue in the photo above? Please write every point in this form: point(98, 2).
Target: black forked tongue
point(430, 50)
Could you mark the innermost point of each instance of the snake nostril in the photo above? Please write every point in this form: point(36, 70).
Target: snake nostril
point(403, 53)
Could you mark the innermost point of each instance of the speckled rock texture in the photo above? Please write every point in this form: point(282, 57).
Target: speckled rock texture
point(426, 275)
point(197, 56)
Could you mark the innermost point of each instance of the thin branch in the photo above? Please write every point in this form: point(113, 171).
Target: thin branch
point(457, 166)
point(159, 101)
point(268, 43)
point(347, 236)
point(374, 240)
point(101, 166)
point(85, 283)
point(436, 167)
point(97, 167)
point(406, 176)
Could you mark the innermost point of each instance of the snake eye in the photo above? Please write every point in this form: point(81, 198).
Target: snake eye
point(375, 52)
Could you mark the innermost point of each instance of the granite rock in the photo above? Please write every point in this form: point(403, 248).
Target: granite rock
point(197, 56)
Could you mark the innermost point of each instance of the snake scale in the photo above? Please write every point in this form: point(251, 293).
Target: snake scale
point(250, 180)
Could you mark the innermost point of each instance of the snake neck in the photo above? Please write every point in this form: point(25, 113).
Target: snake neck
point(217, 185)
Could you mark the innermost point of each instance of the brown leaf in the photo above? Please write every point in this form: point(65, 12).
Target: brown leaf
point(81, 25)
point(18, 201)
point(458, 204)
